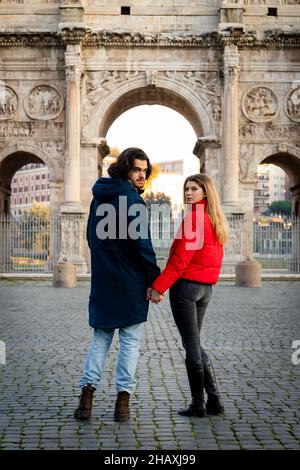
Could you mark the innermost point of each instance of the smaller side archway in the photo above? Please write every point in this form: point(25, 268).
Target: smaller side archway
point(287, 157)
point(12, 158)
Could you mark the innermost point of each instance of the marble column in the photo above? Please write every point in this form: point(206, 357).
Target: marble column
point(72, 172)
point(230, 134)
point(72, 215)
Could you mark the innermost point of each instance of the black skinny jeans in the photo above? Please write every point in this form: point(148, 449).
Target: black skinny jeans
point(189, 301)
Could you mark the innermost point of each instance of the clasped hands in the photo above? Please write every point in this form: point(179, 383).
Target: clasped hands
point(154, 296)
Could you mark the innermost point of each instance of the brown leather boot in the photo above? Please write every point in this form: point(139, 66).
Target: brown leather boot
point(122, 412)
point(84, 409)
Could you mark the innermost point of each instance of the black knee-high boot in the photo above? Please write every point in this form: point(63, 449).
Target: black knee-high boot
point(196, 381)
point(214, 405)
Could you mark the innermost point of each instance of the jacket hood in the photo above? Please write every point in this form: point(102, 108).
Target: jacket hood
point(105, 189)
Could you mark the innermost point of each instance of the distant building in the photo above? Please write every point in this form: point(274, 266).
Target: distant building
point(277, 183)
point(288, 193)
point(29, 184)
point(270, 186)
point(171, 178)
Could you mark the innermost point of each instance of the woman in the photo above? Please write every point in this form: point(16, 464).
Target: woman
point(194, 265)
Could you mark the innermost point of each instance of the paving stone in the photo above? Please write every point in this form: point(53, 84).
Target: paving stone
point(249, 337)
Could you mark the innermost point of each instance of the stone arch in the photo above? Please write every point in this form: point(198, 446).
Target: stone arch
point(166, 92)
point(12, 158)
point(287, 157)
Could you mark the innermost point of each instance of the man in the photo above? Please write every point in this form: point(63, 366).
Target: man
point(123, 266)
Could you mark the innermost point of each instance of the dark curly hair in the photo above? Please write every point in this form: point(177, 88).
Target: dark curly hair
point(125, 163)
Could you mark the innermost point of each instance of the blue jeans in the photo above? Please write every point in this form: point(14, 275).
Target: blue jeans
point(127, 358)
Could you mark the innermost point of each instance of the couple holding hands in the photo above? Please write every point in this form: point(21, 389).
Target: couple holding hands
point(123, 268)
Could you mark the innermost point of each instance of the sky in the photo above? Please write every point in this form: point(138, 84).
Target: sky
point(161, 132)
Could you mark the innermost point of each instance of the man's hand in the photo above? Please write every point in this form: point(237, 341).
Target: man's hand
point(149, 290)
point(154, 296)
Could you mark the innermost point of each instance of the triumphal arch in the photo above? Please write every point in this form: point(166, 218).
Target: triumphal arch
point(69, 68)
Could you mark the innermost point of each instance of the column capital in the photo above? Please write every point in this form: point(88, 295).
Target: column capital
point(73, 63)
point(231, 55)
point(73, 55)
point(205, 142)
point(231, 59)
point(73, 74)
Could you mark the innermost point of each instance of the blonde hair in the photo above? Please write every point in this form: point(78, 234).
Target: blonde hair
point(214, 210)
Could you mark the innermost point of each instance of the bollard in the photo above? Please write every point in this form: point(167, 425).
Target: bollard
point(64, 275)
point(248, 273)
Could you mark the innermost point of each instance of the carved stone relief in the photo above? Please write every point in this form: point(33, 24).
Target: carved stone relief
point(8, 102)
point(95, 87)
point(268, 131)
point(292, 104)
point(52, 146)
point(247, 156)
point(31, 129)
point(234, 245)
point(268, 2)
point(206, 84)
point(44, 102)
point(260, 104)
point(70, 239)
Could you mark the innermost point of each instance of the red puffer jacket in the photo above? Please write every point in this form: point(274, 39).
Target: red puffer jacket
point(199, 263)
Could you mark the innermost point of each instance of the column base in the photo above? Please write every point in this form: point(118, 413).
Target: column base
point(71, 208)
point(231, 207)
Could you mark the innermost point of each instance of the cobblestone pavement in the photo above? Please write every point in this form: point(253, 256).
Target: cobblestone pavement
point(249, 333)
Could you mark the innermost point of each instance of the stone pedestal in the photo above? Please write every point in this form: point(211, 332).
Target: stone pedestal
point(72, 239)
point(248, 273)
point(5, 243)
point(231, 15)
point(294, 264)
point(64, 275)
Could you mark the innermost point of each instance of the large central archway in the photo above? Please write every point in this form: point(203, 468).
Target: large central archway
point(102, 108)
point(160, 89)
point(150, 96)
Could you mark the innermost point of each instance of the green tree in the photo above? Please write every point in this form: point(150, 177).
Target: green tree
point(35, 227)
point(281, 207)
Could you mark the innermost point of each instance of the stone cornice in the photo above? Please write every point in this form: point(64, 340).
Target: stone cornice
point(132, 39)
point(271, 40)
point(29, 40)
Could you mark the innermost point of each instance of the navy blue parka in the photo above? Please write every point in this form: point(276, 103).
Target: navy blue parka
point(122, 266)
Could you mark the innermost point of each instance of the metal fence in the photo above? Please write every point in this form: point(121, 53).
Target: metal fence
point(34, 244)
point(29, 244)
point(276, 243)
